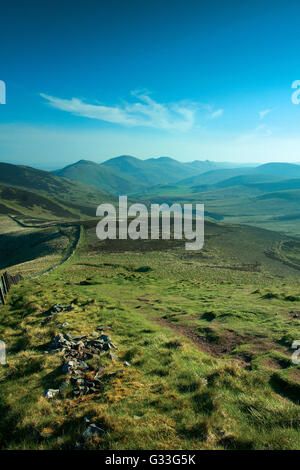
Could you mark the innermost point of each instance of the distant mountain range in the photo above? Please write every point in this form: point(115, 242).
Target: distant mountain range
point(126, 174)
point(130, 175)
point(266, 195)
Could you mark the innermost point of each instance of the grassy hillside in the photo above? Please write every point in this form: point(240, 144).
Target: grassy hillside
point(34, 249)
point(207, 336)
point(203, 358)
point(262, 173)
point(127, 175)
point(50, 185)
point(155, 170)
point(16, 201)
point(278, 203)
point(277, 211)
point(214, 176)
point(100, 176)
point(287, 170)
point(257, 181)
point(266, 200)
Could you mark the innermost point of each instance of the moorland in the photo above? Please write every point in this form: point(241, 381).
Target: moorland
point(203, 358)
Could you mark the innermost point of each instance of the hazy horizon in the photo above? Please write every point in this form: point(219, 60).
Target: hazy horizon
point(47, 167)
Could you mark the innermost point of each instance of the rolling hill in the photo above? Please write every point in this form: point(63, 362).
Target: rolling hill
point(100, 176)
point(214, 176)
point(287, 170)
point(241, 195)
point(267, 196)
point(28, 189)
point(157, 170)
point(206, 337)
point(127, 175)
point(264, 172)
point(17, 201)
point(189, 327)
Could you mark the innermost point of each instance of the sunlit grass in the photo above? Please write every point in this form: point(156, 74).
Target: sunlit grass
point(205, 346)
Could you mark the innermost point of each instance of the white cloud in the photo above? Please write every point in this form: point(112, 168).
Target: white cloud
point(145, 112)
point(263, 113)
point(259, 132)
point(263, 130)
point(216, 114)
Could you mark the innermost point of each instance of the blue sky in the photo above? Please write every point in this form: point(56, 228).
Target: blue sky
point(186, 79)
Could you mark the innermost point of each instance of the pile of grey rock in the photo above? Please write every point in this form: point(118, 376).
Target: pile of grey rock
point(83, 378)
point(59, 308)
point(55, 310)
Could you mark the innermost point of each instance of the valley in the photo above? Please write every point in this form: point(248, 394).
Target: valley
point(203, 358)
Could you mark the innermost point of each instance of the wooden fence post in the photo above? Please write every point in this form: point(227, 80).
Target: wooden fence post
point(4, 284)
point(2, 295)
point(7, 281)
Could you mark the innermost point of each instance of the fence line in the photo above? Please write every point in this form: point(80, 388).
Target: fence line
point(6, 282)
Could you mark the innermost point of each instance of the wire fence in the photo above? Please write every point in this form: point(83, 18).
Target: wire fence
point(7, 281)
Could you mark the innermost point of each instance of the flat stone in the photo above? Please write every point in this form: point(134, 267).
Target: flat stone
point(79, 337)
point(105, 338)
point(50, 393)
point(68, 366)
point(102, 328)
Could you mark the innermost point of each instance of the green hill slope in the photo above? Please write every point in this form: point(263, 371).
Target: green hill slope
point(47, 190)
point(156, 170)
point(204, 346)
point(130, 175)
point(287, 170)
point(100, 176)
point(214, 176)
point(261, 173)
point(18, 201)
point(32, 250)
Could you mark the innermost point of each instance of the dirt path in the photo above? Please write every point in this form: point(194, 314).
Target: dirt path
point(227, 343)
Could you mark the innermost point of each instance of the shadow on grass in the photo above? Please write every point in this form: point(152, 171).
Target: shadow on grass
point(197, 431)
point(53, 379)
point(285, 389)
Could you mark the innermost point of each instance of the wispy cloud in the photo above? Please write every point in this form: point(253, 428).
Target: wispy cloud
point(143, 112)
point(216, 114)
point(263, 130)
point(258, 132)
point(263, 113)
